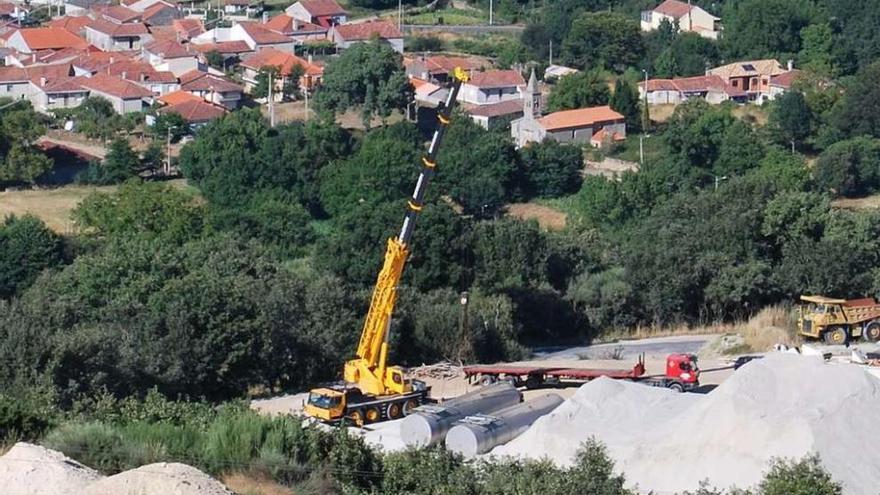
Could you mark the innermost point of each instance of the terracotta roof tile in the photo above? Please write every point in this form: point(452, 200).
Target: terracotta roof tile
point(673, 8)
point(321, 8)
point(287, 25)
point(581, 117)
point(115, 86)
point(114, 29)
point(188, 28)
point(13, 74)
point(225, 47)
point(496, 79)
point(785, 79)
point(175, 97)
point(506, 107)
point(263, 36)
point(66, 85)
point(170, 49)
point(74, 24)
point(202, 81)
point(195, 110)
point(444, 64)
point(156, 8)
point(366, 30)
point(600, 136)
point(767, 67)
point(285, 61)
point(43, 38)
point(116, 13)
point(697, 84)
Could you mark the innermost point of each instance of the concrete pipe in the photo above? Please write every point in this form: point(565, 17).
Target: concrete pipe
point(428, 424)
point(478, 434)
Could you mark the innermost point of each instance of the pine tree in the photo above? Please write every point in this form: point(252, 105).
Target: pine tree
point(625, 100)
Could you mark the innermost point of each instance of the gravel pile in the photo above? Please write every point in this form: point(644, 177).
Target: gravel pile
point(158, 479)
point(780, 406)
point(28, 469)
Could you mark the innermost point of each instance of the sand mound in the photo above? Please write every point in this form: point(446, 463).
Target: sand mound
point(158, 479)
point(29, 469)
point(781, 406)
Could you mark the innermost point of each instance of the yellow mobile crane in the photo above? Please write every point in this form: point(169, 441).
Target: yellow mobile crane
point(373, 391)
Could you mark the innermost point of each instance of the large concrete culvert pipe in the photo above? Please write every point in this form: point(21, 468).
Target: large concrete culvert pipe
point(428, 424)
point(478, 434)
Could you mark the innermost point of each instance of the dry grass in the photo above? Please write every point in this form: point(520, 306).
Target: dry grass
point(772, 325)
point(866, 203)
point(53, 206)
point(246, 484)
point(660, 113)
point(753, 113)
point(548, 218)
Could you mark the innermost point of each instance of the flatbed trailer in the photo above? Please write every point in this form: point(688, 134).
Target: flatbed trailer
point(682, 374)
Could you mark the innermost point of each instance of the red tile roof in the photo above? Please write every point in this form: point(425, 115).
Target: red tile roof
point(96, 61)
point(496, 79)
point(116, 13)
point(224, 47)
point(13, 74)
point(263, 36)
point(188, 28)
point(366, 30)
point(195, 110)
point(43, 38)
point(138, 71)
point(600, 136)
point(175, 97)
point(202, 81)
point(785, 79)
point(581, 117)
point(74, 24)
point(66, 85)
point(507, 107)
point(285, 61)
point(170, 49)
point(697, 84)
point(321, 8)
point(673, 8)
point(115, 86)
point(287, 25)
point(118, 30)
point(444, 65)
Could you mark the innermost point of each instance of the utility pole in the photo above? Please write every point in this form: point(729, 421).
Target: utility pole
point(306, 93)
point(551, 53)
point(399, 14)
point(168, 153)
point(271, 106)
point(491, 7)
point(642, 150)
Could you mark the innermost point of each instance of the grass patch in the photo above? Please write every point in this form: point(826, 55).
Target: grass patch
point(449, 16)
point(629, 149)
point(52, 206)
point(567, 205)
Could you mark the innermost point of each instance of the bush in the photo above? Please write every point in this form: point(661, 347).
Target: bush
point(803, 477)
point(27, 247)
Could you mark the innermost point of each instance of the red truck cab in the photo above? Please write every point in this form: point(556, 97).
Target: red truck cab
point(683, 368)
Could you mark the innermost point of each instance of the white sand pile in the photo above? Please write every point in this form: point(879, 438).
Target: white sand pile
point(780, 406)
point(158, 479)
point(285, 404)
point(616, 411)
point(33, 470)
point(384, 435)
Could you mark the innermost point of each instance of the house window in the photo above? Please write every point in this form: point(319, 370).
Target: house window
point(646, 15)
point(736, 83)
point(9, 88)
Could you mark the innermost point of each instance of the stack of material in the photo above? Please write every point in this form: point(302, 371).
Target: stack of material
point(158, 479)
point(780, 406)
point(33, 470)
point(439, 371)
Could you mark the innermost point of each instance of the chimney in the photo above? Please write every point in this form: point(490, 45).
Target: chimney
point(265, 17)
point(42, 81)
point(111, 60)
point(310, 59)
point(790, 65)
point(143, 77)
point(295, 24)
point(124, 73)
point(33, 58)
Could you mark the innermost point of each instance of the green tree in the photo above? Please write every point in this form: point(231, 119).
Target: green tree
point(858, 112)
point(625, 100)
point(169, 124)
point(816, 55)
point(696, 131)
point(584, 89)
point(96, 118)
point(552, 169)
point(24, 164)
point(849, 168)
point(27, 247)
point(20, 160)
point(290, 89)
point(366, 75)
point(803, 477)
point(741, 150)
point(261, 88)
point(791, 119)
point(273, 218)
point(120, 163)
point(215, 59)
point(764, 28)
point(509, 254)
point(603, 39)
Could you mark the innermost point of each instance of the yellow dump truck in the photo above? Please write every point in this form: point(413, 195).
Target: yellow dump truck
point(836, 321)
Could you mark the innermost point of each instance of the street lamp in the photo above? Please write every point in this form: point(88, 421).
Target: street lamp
point(463, 331)
point(719, 179)
point(642, 138)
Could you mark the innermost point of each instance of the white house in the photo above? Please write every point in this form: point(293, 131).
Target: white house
point(491, 86)
point(110, 36)
point(125, 96)
point(254, 35)
point(212, 88)
point(324, 13)
point(345, 35)
point(711, 88)
point(171, 56)
point(61, 94)
point(30, 40)
point(690, 18)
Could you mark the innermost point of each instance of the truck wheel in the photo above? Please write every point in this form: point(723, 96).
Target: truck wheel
point(836, 336)
point(409, 405)
point(373, 415)
point(393, 411)
point(872, 331)
point(676, 387)
point(486, 380)
point(357, 417)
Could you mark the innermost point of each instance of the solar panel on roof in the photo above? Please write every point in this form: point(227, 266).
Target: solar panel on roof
point(749, 67)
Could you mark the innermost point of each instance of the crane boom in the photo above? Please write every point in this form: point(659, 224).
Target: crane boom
point(368, 369)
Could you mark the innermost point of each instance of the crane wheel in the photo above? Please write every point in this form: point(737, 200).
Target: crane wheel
point(357, 417)
point(373, 415)
point(836, 336)
point(486, 380)
point(393, 411)
point(409, 405)
point(676, 387)
point(872, 332)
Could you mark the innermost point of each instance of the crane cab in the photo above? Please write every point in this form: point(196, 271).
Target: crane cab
point(325, 404)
